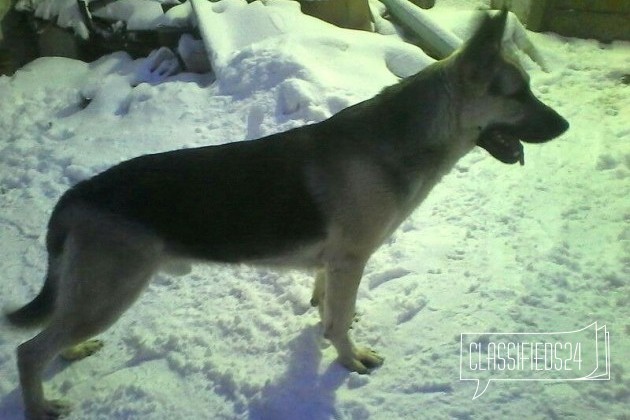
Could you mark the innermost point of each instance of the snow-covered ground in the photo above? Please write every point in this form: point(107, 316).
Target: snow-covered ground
point(539, 248)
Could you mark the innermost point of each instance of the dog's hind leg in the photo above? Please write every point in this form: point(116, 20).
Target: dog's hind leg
point(342, 282)
point(103, 270)
point(33, 356)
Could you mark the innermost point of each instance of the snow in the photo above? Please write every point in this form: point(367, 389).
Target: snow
point(137, 14)
point(537, 248)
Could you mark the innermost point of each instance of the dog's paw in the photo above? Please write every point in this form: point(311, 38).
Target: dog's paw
point(81, 351)
point(57, 408)
point(52, 409)
point(362, 361)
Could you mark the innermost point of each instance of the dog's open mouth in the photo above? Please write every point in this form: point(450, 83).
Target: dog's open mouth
point(501, 145)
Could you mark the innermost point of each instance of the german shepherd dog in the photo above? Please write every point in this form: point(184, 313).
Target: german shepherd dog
point(321, 197)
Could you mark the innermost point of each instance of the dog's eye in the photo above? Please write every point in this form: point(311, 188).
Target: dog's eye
point(507, 85)
point(505, 88)
point(495, 88)
point(520, 94)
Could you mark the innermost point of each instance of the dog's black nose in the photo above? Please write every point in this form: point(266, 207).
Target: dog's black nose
point(546, 125)
point(564, 124)
point(556, 125)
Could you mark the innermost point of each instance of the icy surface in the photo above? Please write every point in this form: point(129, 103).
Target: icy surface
point(542, 247)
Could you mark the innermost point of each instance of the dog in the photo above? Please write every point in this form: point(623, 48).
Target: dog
point(322, 197)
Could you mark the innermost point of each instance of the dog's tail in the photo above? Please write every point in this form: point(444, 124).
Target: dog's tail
point(37, 311)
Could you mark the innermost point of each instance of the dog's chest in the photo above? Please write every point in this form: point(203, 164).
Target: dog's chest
point(361, 204)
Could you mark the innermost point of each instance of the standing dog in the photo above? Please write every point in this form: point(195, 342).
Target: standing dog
point(323, 196)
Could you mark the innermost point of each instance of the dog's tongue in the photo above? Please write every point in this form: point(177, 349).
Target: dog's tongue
point(507, 150)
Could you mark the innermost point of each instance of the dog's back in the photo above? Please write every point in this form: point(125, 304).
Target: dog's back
point(219, 203)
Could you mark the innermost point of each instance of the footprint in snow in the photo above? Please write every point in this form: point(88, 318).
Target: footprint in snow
point(377, 279)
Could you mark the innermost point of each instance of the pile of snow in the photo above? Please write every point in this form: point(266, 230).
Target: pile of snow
point(542, 247)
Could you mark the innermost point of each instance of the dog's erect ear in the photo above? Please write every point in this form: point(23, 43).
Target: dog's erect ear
point(482, 51)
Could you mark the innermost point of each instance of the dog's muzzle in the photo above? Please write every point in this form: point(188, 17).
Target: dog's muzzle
point(502, 146)
point(503, 141)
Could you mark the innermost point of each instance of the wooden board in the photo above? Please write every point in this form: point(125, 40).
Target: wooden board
point(585, 24)
point(605, 20)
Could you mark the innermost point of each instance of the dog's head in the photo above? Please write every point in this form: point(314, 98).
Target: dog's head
point(498, 104)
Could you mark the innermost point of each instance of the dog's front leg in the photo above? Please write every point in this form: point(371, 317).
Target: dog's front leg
point(341, 284)
point(318, 292)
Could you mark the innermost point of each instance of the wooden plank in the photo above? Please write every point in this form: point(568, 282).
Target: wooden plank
point(353, 14)
point(602, 26)
point(604, 6)
point(530, 12)
point(537, 14)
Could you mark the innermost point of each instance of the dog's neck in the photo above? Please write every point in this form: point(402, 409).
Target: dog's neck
point(408, 125)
